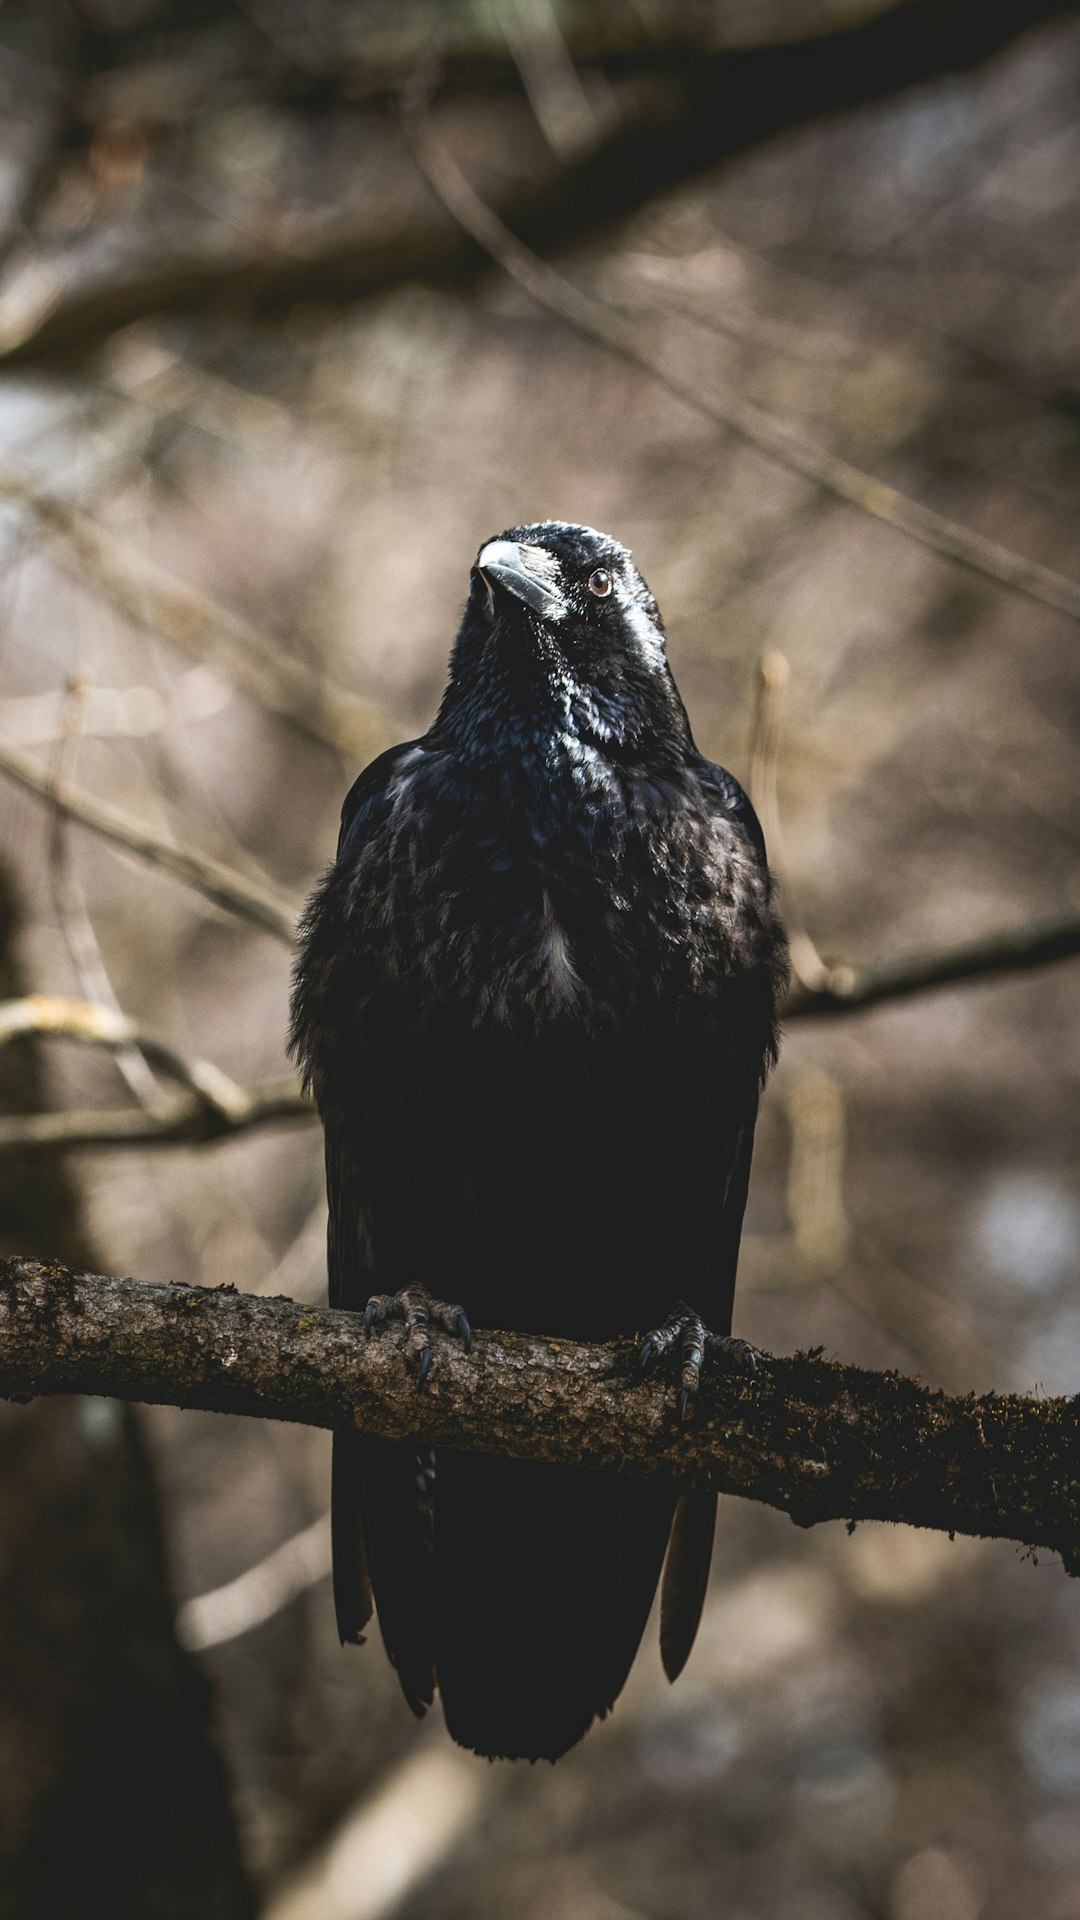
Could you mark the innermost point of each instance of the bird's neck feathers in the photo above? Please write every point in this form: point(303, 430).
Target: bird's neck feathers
point(513, 697)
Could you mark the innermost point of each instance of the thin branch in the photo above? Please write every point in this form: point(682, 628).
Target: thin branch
point(153, 599)
point(214, 1106)
point(76, 923)
point(100, 1025)
point(567, 116)
point(826, 1246)
point(189, 1122)
point(396, 1840)
point(258, 902)
point(772, 437)
point(257, 1594)
point(818, 1440)
point(1016, 950)
point(807, 966)
point(823, 988)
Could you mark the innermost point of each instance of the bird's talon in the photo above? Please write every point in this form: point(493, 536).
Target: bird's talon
point(380, 1308)
point(683, 1333)
point(739, 1355)
point(420, 1311)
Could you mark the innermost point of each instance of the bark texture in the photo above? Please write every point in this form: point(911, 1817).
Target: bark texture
point(818, 1440)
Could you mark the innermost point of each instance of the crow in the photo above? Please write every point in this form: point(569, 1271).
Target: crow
point(535, 998)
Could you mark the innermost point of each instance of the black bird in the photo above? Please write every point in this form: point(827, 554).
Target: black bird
point(536, 1000)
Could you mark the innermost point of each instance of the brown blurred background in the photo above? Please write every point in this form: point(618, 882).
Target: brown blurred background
point(239, 333)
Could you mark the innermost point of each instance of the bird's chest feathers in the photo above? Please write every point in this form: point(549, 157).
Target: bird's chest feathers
point(557, 896)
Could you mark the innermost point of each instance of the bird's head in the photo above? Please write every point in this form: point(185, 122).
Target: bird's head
point(561, 641)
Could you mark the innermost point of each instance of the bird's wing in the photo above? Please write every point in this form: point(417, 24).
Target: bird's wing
point(380, 1500)
point(380, 1497)
point(732, 801)
point(367, 797)
point(352, 1580)
point(689, 1554)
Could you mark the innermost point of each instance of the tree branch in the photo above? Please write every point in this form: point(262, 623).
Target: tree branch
point(772, 438)
point(817, 1440)
point(98, 1025)
point(188, 1122)
point(1015, 950)
point(691, 92)
point(154, 599)
point(214, 1108)
point(259, 902)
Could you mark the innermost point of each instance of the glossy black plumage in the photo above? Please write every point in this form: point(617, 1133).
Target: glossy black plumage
point(535, 998)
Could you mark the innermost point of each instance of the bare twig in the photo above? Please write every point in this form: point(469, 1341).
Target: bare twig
point(1016, 950)
point(215, 1106)
point(98, 1025)
point(145, 594)
point(257, 1594)
point(42, 166)
point(816, 1439)
point(772, 437)
point(393, 1842)
point(70, 901)
point(183, 1123)
point(773, 675)
point(257, 901)
point(934, 1333)
point(110, 713)
point(823, 988)
point(566, 115)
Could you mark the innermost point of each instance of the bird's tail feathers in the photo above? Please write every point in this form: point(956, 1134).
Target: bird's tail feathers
point(686, 1578)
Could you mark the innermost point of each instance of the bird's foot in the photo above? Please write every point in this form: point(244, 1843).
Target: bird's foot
point(686, 1331)
point(420, 1311)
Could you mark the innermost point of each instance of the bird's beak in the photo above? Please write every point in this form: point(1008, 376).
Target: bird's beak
point(531, 574)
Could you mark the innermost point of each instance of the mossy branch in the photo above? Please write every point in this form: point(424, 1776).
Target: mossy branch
point(819, 1440)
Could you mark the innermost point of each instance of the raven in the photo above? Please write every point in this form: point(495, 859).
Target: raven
point(535, 998)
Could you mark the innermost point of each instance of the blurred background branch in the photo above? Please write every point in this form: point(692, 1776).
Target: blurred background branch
point(262, 396)
point(678, 94)
point(770, 436)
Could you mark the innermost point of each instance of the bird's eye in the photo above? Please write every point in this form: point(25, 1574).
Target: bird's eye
point(600, 583)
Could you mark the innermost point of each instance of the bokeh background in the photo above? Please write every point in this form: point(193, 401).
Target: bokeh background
point(260, 402)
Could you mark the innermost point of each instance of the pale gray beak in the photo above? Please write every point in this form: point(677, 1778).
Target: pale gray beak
point(531, 574)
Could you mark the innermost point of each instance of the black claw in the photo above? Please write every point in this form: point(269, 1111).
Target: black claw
point(416, 1307)
point(738, 1354)
point(684, 1333)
